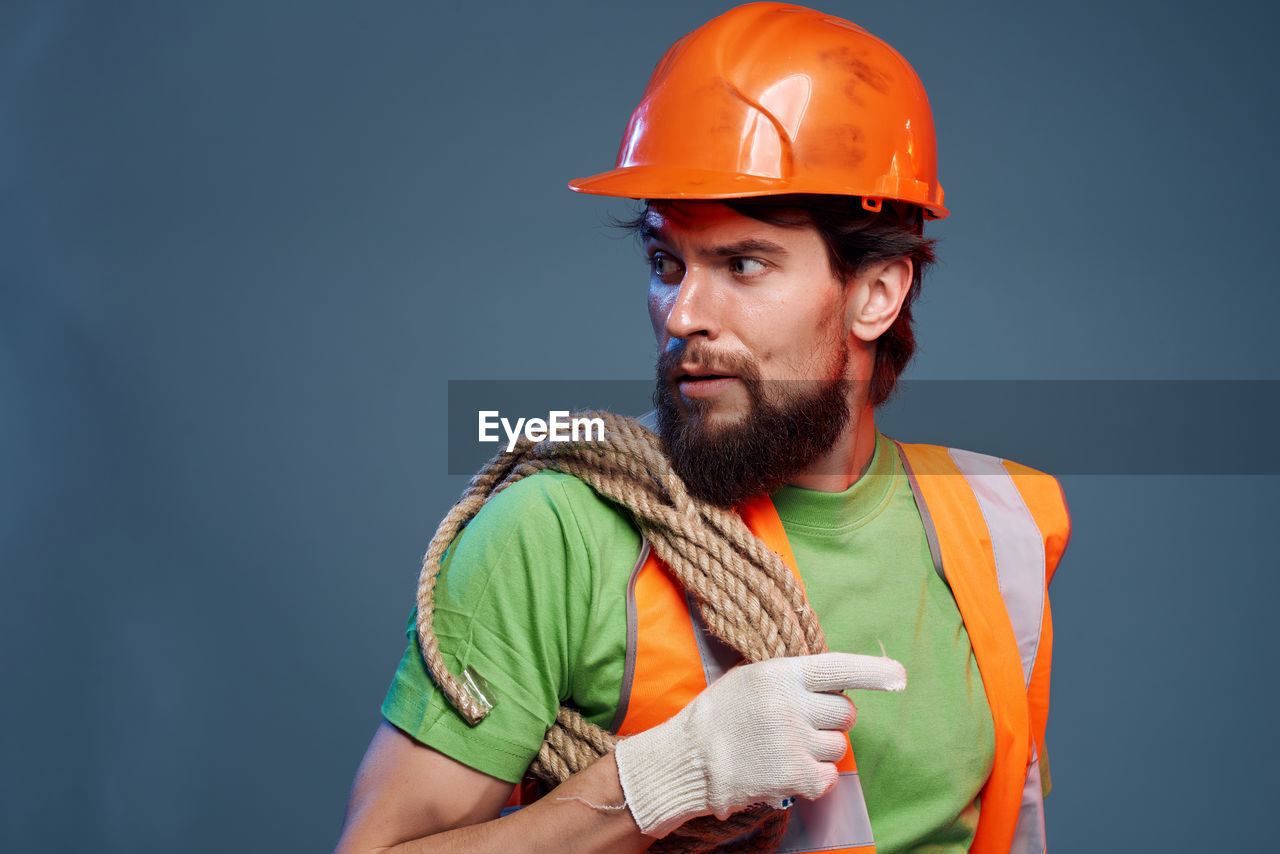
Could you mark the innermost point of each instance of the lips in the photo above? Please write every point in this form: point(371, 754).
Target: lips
point(698, 381)
point(695, 373)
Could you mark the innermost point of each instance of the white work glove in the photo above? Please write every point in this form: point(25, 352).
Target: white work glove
point(762, 733)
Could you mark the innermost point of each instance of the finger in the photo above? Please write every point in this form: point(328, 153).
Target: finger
point(830, 711)
point(818, 783)
point(829, 746)
point(840, 671)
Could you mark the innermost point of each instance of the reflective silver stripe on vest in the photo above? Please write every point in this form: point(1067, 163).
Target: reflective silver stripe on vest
point(716, 655)
point(930, 532)
point(629, 662)
point(1018, 549)
point(1017, 545)
point(836, 820)
point(1028, 836)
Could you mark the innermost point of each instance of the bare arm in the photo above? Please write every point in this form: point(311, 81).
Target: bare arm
point(408, 798)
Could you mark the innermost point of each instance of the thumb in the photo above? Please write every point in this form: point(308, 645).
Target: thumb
point(839, 671)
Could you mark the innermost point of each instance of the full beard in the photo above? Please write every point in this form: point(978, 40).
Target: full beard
point(789, 425)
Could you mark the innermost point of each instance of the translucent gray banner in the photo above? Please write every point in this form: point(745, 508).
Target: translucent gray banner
point(1065, 427)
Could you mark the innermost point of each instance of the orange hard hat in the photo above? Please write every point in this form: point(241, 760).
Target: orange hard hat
point(769, 99)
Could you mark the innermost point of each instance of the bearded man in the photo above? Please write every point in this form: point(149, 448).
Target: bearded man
point(787, 161)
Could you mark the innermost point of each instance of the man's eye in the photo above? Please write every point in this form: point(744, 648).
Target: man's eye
point(664, 267)
point(747, 266)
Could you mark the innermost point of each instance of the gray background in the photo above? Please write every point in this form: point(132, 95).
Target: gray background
point(243, 248)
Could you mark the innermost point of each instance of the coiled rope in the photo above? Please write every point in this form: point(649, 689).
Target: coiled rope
point(747, 596)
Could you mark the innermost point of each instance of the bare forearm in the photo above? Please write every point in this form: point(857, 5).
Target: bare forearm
point(576, 815)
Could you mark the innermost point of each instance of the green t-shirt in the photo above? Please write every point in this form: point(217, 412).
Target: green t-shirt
point(533, 597)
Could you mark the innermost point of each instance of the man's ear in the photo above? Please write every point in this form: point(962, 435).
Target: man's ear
point(874, 297)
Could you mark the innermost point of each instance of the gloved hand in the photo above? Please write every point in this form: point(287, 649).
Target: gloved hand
point(762, 733)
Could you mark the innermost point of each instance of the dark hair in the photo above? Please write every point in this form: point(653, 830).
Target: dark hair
point(856, 239)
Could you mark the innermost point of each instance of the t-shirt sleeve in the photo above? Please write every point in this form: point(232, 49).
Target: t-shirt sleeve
point(514, 594)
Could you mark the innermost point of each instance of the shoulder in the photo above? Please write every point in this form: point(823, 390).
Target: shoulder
point(1000, 485)
point(547, 501)
point(546, 519)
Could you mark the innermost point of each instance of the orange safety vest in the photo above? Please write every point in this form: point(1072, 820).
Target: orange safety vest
point(996, 531)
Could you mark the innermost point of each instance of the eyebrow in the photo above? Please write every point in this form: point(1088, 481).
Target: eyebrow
point(647, 231)
point(748, 246)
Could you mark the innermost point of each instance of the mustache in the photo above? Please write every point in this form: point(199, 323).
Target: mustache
point(700, 355)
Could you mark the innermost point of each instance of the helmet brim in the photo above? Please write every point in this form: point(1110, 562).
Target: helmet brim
point(664, 182)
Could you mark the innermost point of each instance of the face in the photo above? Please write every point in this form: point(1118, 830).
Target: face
point(735, 297)
point(753, 356)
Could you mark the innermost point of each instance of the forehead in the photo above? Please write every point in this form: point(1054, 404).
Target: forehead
point(713, 221)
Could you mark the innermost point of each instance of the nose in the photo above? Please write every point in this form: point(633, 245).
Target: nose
point(692, 310)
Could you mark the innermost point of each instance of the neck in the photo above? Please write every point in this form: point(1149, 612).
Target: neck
point(841, 467)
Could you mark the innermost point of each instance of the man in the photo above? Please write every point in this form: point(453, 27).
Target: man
point(787, 162)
